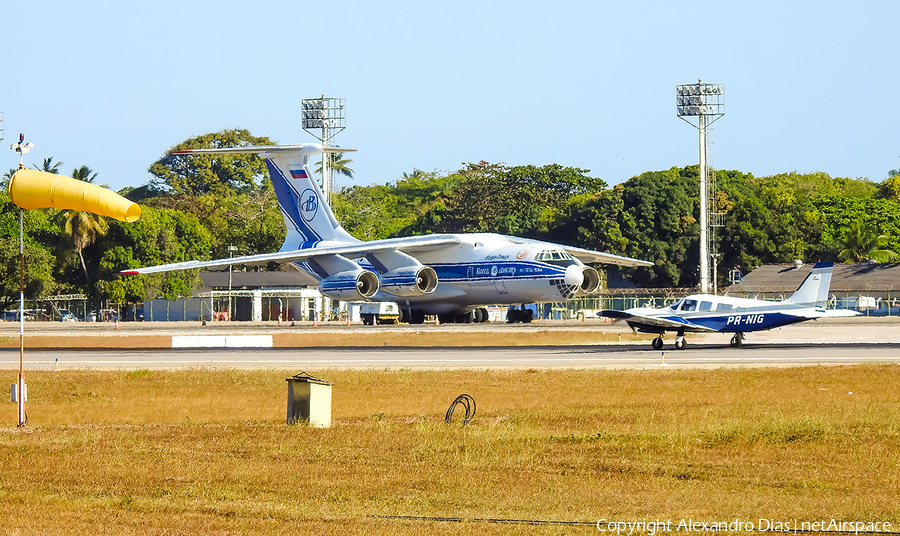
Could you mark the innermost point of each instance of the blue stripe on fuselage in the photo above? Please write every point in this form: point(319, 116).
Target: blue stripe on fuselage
point(474, 271)
point(735, 323)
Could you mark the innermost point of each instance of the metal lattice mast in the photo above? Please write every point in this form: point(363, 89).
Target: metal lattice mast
point(706, 103)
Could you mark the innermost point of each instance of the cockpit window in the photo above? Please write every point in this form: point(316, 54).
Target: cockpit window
point(676, 305)
point(689, 305)
point(553, 255)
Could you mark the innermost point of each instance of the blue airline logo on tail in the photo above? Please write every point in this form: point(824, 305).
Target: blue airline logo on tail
point(309, 204)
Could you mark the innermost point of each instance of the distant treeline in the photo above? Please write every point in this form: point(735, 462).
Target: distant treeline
point(197, 207)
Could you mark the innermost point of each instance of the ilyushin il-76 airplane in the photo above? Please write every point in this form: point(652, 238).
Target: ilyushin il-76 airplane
point(707, 313)
point(450, 275)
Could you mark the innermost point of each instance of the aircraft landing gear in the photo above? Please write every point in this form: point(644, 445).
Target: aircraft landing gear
point(737, 340)
point(680, 343)
point(658, 343)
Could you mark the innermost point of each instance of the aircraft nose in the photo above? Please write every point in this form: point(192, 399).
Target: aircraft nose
point(574, 276)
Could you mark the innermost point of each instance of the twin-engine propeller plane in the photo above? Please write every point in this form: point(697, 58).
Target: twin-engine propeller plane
point(707, 313)
point(450, 275)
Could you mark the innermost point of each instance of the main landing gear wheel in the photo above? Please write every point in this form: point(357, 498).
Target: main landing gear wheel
point(680, 343)
point(657, 343)
point(737, 340)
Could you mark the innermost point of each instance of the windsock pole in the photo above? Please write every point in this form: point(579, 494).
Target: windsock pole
point(21, 387)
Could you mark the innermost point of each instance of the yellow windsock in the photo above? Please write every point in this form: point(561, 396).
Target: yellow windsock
point(30, 188)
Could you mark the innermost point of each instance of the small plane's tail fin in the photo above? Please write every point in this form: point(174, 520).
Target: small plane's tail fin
point(814, 289)
point(308, 217)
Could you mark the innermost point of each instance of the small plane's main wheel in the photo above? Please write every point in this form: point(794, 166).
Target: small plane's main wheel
point(737, 340)
point(657, 343)
point(680, 343)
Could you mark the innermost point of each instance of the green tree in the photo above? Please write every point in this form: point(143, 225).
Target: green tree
point(864, 242)
point(39, 280)
point(890, 187)
point(212, 173)
point(86, 174)
point(337, 164)
point(521, 200)
point(4, 181)
point(48, 166)
point(160, 236)
point(83, 228)
point(41, 238)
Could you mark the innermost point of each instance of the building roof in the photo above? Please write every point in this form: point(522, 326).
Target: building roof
point(845, 278)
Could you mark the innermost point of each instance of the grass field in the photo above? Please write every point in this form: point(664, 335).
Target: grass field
point(208, 452)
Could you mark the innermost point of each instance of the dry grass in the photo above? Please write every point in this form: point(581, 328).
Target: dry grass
point(207, 452)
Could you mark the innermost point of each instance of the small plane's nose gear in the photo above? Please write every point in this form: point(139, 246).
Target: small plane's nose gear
point(658, 343)
point(680, 343)
point(737, 340)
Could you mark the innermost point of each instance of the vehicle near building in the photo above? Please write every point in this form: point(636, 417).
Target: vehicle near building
point(379, 313)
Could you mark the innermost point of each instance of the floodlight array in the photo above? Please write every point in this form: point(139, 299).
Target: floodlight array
point(700, 99)
point(323, 113)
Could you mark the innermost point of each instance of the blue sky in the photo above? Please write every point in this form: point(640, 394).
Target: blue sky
point(809, 86)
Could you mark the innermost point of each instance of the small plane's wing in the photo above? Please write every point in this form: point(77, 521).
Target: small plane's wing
point(411, 243)
point(586, 255)
point(668, 322)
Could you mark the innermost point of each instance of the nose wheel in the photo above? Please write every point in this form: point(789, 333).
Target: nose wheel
point(658, 343)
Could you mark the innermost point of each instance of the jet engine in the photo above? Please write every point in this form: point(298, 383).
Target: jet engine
point(409, 281)
point(591, 282)
point(350, 285)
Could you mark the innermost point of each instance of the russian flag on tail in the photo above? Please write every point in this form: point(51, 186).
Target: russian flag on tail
point(299, 174)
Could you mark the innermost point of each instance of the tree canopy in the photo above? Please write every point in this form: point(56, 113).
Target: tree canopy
point(197, 207)
point(213, 173)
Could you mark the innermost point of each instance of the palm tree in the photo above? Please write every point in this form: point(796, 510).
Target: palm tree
point(86, 174)
point(337, 163)
point(83, 227)
point(863, 243)
point(48, 166)
point(4, 182)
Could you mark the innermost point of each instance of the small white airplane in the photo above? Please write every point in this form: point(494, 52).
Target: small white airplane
point(450, 275)
point(708, 313)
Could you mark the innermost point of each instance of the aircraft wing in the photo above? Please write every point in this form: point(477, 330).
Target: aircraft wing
point(587, 255)
point(668, 322)
point(411, 243)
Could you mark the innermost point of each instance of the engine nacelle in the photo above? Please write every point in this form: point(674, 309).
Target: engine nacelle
point(409, 281)
point(350, 285)
point(591, 282)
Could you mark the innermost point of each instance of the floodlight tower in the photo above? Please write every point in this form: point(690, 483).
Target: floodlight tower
point(325, 114)
point(706, 102)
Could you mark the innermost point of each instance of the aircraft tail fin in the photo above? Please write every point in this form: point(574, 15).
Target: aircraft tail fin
point(814, 289)
point(308, 217)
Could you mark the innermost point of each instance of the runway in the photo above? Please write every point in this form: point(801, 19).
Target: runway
point(626, 356)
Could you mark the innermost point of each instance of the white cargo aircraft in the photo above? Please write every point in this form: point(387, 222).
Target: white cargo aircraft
point(450, 275)
point(707, 313)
